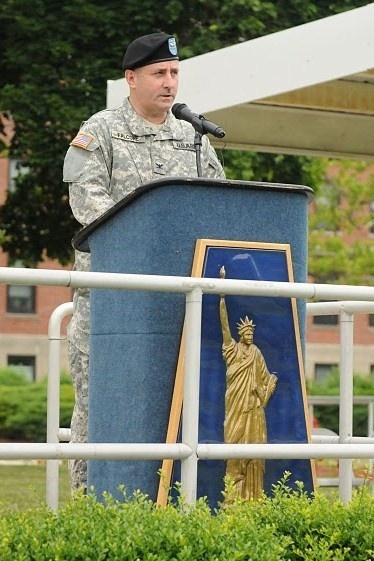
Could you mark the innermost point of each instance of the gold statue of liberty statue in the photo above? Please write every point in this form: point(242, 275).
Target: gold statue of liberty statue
point(249, 386)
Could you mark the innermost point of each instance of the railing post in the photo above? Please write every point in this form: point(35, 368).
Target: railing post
point(371, 435)
point(311, 415)
point(346, 401)
point(190, 416)
point(53, 399)
point(371, 418)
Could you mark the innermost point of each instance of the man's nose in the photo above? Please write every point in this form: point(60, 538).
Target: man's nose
point(168, 80)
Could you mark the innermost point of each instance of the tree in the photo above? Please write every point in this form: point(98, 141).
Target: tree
point(56, 57)
point(340, 248)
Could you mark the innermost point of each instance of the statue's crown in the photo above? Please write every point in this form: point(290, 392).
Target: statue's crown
point(244, 324)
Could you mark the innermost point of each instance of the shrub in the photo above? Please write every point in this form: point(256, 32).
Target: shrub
point(23, 410)
point(11, 376)
point(290, 525)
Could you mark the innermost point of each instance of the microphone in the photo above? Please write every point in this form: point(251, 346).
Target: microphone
point(200, 124)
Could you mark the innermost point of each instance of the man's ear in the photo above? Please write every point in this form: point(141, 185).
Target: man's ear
point(130, 77)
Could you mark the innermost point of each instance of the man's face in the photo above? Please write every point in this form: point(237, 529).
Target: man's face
point(153, 88)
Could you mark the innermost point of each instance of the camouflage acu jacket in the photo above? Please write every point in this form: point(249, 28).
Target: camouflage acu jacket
point(113, 154)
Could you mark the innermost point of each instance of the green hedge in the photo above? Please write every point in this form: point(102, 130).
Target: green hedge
point(11, 376)
point(288, 526)
point(23, 407)
point(328, 415)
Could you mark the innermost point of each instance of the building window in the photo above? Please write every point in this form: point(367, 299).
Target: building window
point(26, 364)
point(326, 320)
point(20, 299)
point(323, 371)
point(331, 320)
point(371, 320)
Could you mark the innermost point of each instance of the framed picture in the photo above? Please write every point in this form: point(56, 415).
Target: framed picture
point(273, 322)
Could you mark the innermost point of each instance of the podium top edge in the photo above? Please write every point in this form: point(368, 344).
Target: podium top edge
point(80, 241)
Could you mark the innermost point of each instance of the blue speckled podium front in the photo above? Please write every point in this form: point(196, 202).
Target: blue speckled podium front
point(135, 335)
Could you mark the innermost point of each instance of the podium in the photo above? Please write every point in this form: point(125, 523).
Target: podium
point(135, 336)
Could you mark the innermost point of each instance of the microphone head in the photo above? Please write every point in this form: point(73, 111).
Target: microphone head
point(219, 133)
point(177, 110)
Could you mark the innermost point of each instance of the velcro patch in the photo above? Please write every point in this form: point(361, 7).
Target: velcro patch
point(128, 137)
point(184, 145)
point(82, 140)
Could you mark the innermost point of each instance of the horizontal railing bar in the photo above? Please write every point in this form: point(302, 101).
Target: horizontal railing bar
point(76, 279)
point(334, 481)
point(335, 308)
point(156, 451)
point(335, 439)
point(64, 435)
point(283, 451)
point(359, 440)
point(335, 399)
point(102, 451)
point(324, 439)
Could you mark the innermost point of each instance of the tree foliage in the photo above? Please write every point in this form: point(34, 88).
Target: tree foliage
point(56, 57)
point(340, 249)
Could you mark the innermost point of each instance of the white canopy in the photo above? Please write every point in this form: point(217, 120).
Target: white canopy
point(306, 90)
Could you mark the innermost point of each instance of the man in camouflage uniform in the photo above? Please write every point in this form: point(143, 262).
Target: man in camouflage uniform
point(114, 153)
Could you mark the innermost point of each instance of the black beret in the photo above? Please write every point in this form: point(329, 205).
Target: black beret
point(148, 49)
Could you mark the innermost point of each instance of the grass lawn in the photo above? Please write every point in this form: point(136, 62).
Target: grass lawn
point(23, 486)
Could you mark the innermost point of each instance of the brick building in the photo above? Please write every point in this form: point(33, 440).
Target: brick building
point(25, 312)
point(323, 350)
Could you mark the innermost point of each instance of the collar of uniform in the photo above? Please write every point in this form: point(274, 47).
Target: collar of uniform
point(172, 128)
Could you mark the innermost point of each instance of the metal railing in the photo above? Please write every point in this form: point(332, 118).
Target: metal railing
point(189, 451)
point(325, 400)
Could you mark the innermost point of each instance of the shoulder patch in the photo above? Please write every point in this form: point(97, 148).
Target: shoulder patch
point(82, 140)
